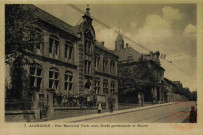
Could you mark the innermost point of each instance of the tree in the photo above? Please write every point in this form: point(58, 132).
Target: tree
point(136, 78)
point(20, 40)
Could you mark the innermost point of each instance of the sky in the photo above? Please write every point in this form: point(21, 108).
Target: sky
point(167, 28)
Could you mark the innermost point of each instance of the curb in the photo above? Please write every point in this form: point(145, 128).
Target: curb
point(93, 116)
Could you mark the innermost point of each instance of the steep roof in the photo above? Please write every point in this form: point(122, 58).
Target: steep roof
point(119, 38)
point(102, 47)
point(125, 53)
point(44, 16)
point(48, 18)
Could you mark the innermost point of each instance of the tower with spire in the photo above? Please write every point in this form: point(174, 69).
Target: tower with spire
point(119, 43)
point(86, 17)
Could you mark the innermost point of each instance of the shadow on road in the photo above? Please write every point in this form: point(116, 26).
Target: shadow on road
point(186, 120)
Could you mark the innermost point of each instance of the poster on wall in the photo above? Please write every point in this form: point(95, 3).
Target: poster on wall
point(101, 99)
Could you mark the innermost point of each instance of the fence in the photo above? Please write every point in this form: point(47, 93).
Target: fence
point(14, 105)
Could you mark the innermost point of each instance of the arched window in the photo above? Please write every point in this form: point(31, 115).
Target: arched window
point(53, 78)
point(87, 85)
point(97, 86)
point(68, 51)
point(35, 75)
point(53, 46)
point(68, 86)
point(105, 86)
point(112, 87)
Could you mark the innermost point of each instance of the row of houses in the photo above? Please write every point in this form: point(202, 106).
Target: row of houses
point(72, 63)
point(163, 91)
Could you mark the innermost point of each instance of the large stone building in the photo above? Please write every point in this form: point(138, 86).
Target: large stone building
point(71, 61)
point(154, 62)
point(129, 57)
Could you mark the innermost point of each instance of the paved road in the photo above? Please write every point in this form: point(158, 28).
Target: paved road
point(170, 113)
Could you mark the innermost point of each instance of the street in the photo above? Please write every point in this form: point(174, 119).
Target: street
point(177, 113)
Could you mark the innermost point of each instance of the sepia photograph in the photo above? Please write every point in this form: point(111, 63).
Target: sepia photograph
point(101, 63)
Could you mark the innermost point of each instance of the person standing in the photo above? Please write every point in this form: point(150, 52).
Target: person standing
point(99, 108)
point(110, 104)
point(193, 115)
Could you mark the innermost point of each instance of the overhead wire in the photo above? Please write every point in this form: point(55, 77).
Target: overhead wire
point(118, 32)
point(108, 27)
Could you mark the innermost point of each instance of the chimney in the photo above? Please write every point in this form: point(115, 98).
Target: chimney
point(102, 42)
point(127, 45)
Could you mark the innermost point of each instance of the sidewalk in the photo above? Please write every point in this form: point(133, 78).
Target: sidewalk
point(93, 116)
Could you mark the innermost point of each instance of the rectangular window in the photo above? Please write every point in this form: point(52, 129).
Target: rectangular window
point(112, 87)
point(112, 67)
point(51, 83)
point(53, 46)
point(87, 67)
point(32, 81)
point(68, 81)
point(97, 87)
point(50, 45)
point(56, 47)
point(97, 63)
point(35, 76)
point(39, 80)
point(88, 47)
point(53, 79)
point(68, 51)
point(105, 86)
point(105, 65)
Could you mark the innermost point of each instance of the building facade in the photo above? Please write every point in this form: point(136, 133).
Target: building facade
point(71, 62)
point(154, 63)
point(129, 57)
point(169, 86)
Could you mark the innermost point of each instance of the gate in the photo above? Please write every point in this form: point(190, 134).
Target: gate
point(43, 105)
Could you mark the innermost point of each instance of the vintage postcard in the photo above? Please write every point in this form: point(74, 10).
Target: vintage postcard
point(118, 67)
